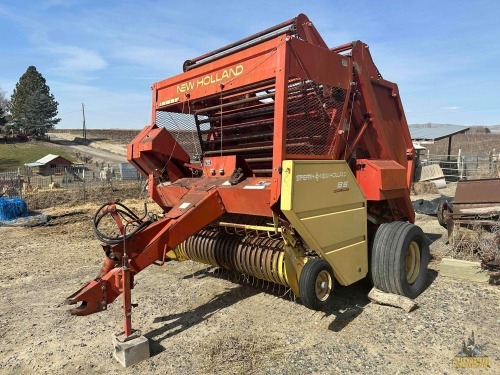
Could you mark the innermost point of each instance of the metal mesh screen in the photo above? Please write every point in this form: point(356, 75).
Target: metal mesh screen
point(183, 129)
point(242, 124)
point(314, 115)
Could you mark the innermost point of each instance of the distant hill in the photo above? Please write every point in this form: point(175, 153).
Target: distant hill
point(432, 125)
point(493, 128)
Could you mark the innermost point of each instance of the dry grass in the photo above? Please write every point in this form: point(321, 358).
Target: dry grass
point(67, 197)
point(240, 354)
point(475, 241)
point(425, 187)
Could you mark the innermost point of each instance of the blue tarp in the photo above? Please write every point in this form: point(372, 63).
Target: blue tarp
point(12, 208)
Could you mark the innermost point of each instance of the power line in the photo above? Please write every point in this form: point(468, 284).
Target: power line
point(84, 127)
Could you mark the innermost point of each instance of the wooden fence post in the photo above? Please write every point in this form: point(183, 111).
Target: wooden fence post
point(20, 186)
point(496, 163)
point(460, 164)
point(84, 193)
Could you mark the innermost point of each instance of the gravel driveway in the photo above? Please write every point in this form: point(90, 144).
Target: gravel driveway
point(200, 322)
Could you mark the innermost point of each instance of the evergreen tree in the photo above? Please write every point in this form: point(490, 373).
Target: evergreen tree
point(32, 107)
point(3, 118)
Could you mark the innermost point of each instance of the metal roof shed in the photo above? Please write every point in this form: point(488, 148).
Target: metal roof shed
point(426, 134)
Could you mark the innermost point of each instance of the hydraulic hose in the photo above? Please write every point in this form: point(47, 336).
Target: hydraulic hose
point(126, 214)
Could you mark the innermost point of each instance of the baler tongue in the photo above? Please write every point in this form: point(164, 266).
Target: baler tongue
point(92, 296)
point(95, 295)
point(83, 308)
point(149, 245)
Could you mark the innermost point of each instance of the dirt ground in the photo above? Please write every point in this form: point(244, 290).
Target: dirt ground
point(101, 150)
point(204, 322)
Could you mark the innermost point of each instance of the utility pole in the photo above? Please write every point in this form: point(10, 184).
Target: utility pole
point(84, 128)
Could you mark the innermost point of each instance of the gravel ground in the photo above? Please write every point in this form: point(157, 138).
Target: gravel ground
point(204, 322)
point(102, 150)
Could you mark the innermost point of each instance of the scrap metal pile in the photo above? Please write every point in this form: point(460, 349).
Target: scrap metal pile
point(476, 205)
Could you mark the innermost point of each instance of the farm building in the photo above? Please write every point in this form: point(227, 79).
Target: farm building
point(50, 164)
point(429, 135)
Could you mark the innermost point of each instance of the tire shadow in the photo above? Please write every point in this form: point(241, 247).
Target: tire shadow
point(348, 303)
point(432, 237)
point(431, 276)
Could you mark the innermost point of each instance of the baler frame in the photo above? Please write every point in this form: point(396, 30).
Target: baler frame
point(280, 96)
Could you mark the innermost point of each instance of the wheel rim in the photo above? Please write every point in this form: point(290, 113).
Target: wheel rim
point(323, 285)
point(412, 262)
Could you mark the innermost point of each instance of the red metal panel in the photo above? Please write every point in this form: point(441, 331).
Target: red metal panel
point(307, 31)
point(248, 66)
point(155, 152)
point(388, 135)
point(219, 166)
point(478, 191)
point(250, 197)
point(280, 113)
point(319, 64)
point(380, 178)
point(170, 195)
point(380, 100)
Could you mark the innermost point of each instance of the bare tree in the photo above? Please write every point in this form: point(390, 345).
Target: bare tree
point(3, 100)
point(3, 110)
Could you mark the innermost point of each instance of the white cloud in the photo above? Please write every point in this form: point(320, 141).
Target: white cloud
point(70, 60)
point(451, 108)
point(76, 58)
point(153, 57)
point(105, 108)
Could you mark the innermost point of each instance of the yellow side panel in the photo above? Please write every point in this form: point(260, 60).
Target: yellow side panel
point(324, 203)
point(349, 263)
point(336, 228)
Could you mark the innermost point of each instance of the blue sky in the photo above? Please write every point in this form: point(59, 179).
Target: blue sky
point(444, 55)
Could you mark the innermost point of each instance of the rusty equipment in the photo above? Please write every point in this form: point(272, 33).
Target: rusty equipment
point(277, 157)
point(476, 202)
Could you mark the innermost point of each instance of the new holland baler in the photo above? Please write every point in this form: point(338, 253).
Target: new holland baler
point(276, 157)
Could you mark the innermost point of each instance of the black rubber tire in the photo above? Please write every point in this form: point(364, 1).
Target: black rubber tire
point(307, 284)
point(388, 258)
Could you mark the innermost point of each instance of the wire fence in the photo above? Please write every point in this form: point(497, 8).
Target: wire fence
point(465, 165)
point(70, 185)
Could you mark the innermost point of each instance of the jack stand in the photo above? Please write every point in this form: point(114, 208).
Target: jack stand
point(131, 349)
point(130, 346)
point(126, 298)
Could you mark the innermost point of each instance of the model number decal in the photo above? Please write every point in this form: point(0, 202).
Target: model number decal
point(342, 186)
point(319, 176)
